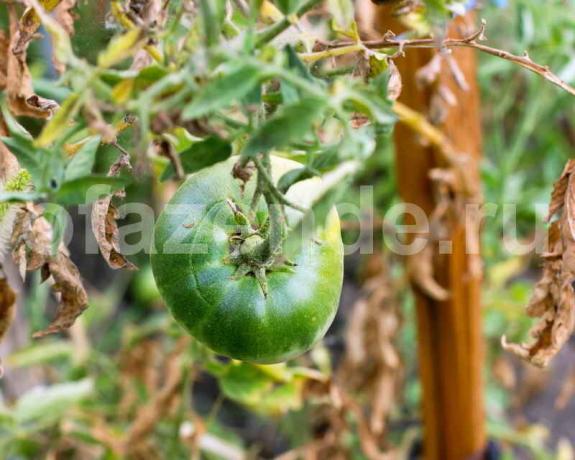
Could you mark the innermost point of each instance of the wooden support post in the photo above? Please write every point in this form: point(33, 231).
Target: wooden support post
point(449, 333)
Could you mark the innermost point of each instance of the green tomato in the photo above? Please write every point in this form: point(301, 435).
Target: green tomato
point(229, 312)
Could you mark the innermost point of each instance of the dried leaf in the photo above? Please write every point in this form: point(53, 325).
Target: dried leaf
point(104, 226)
point(559, 189)
point(18, 83)
point(420, 271)
point(32, 249)
point(73, 296)
point(429, 73)
point(457, 73)
point(7, 304)
point(161, 403)
point(553, 298)
point(29, 24)
point(394, 84)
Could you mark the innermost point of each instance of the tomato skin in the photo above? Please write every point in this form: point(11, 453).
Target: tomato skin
point(232, 316)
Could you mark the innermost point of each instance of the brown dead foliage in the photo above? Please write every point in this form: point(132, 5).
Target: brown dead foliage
point(104, 225)
point(15, 77)
point(553, 298)
point(371, 367)
point(161, 403)
point(32, 250)
point(7, 308)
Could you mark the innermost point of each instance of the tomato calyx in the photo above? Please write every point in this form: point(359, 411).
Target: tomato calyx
point(251, 251)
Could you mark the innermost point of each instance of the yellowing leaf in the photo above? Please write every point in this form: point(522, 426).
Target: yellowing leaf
point(60, 122)
point(270, 13)
point(123, 90)
point(120, 48)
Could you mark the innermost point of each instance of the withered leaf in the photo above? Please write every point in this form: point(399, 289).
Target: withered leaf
point(7, 303)
point(73, 296)
point(17, 82)
point(553, 298)
point(32, 249)
point(104, 225)
point(29, 24)
point(559, 189)
point(8, 162)
point(428, 74)
point(394, 85)
point(420, 271)
point(105, 228)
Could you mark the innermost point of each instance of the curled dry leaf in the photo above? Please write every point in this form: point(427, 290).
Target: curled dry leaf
point(104, 225)
point(7, 307)
point(428, 74)
point(105, 228)
point(8, 162)
point(32, 249)
point(15, 77)
point(559, 190)
point(419, 268)
point(29, 24)
point(553, 298)
point(7, 303)
point(394, 85)
point(73, 296)
point(165, 149)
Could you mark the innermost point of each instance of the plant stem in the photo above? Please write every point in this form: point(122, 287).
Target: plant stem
point(330, 52)
point(274, 30)
point(275, 238)
point(265, 174)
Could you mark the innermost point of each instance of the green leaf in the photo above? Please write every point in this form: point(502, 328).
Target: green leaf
point(260, 388)
point(57, 217)
point(290, 123)
point(288, 6)
point(77, 191)
point(371, 104)
point(320, 162)
point(244, 383)
point(18, 197)
point(294, 176)
point(43, 404)
point(14, 128)
point(28, 156)
point(201, 155)
point(212, 12)
point(82, 162)
point(41, 353)
point(224, 90)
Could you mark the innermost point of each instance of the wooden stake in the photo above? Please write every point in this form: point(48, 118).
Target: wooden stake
point(450, 345)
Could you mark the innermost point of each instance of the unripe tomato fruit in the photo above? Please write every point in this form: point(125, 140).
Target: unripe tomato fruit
point(231, 314)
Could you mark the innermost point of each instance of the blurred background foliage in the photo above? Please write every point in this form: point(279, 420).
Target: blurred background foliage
point(117, 376)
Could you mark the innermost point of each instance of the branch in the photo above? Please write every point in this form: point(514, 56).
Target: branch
point(471, 41)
